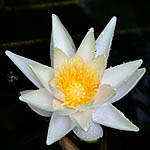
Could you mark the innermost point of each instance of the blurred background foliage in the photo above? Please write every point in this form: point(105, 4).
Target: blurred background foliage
point(25, 29)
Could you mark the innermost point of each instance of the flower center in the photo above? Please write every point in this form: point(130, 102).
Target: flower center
point(77, 82)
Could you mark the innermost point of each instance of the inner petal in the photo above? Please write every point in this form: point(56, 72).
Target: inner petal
point(77, 82)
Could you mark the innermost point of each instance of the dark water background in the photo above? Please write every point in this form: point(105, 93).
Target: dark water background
point(26, 31)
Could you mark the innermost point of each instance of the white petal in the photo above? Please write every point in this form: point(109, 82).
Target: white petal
point(95, 132)
point(52, 51)
point(84, 107)
point(87, 48)
point(99, 64)
point(58, 128)
point(56, 92)
point(40, 111)
point(103, 42)
point(109, 116)
point(44, 73)
point(61, 110)
point(25, 91)
point(82, 119)
point(117, 75)
point(126, 87)
point(104, 94)
point(60, 37)
point(22, 64)
point(59, 59)
point(36, 109)
point(39, 98)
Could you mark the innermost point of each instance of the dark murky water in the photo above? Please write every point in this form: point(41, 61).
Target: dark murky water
point(20, 127)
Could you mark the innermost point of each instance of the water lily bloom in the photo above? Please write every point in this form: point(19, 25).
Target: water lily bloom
point(77, 92)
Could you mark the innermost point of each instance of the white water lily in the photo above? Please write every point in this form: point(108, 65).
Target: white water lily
point(77, 92)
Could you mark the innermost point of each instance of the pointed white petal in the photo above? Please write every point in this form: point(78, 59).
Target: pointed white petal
point(82, 119)
point(58, 128)
point(44, 73)
point(103, 95)
point(40, 111)
point(56, 92)
point(39, 98)
point(70, 39)
point(103, 42)
point(99, 64)
point(60, 38)
point(25, 92)
point(22, 64)
point(95, 132)
point(109, 116)
point(36, 109)
point(59, 59)
point(87, 48)
point(115, 76)
point(126, 87)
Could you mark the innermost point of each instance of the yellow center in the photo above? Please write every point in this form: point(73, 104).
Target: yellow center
point(77, 83)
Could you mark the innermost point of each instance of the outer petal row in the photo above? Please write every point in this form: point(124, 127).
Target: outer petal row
point(59, 126)
point(22, 64)
point(43, 73)
point(126, 87)
point(60, 38)
point(109, 116)
point(36, 109)
point(41, 111)
point(103, 42)
point(39, 98)
point(117, 75)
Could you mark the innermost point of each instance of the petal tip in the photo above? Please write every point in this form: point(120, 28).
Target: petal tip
point(135, 129)
point(55, 20)
point(48, 142)
point(91, 29)
point(114, 19)
point(140, 61)
point(20, 98)
point(53, 15)
point(8, 53)
point(144, 70)
point(113, 22)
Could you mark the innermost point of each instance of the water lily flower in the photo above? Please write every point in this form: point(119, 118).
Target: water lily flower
point(77, 92)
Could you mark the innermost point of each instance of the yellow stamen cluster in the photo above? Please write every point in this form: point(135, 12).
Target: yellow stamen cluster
point(77, 82)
